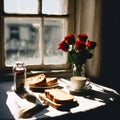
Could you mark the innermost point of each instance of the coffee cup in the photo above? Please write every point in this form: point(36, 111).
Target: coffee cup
point(78, 82)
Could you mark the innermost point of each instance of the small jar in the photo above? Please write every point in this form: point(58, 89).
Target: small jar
point(19, 71)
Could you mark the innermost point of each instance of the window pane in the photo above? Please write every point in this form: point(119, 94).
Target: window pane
point(22, 40)
point(54, 6)
point(21, 6)
point(53, 34)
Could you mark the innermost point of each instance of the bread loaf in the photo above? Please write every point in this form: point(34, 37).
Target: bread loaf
point(38, 80)
point(41, 81)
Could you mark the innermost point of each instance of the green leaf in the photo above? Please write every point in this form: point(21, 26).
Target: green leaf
point(73, 58)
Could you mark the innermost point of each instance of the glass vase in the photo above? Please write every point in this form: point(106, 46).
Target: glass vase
point(79, 70)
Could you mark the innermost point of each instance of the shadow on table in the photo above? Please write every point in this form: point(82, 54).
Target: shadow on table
point(103, 95)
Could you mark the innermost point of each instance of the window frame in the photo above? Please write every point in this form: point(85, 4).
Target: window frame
point(70, 17)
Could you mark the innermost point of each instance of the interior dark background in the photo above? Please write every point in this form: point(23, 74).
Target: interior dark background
point(110, 73)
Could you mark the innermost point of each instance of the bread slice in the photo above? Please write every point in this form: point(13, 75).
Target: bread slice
point(65, 106)
point(38, 80)
point(51, 81)
point(49, 102)
point(59, 96)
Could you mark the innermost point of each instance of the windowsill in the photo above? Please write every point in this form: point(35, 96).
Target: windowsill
point(7, 76)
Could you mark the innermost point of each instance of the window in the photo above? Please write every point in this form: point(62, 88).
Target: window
point(31, 33)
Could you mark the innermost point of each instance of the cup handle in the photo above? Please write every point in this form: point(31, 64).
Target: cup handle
point(88, 81)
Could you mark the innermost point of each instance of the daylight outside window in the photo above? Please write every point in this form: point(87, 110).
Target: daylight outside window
point(21, 6)
point(22, 41)
point(54, 7)
point(52, 36)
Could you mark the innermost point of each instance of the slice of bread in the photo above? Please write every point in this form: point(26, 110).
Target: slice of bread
point(49, 102)
point(58, 99)
point(51, 81)
point(59, 96)
point(65, 106)
point(38, 80)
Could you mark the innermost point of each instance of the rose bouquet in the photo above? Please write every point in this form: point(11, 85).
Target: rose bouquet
point(79, 50)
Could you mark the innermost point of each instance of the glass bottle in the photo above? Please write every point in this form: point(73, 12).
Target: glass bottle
point(19, 71)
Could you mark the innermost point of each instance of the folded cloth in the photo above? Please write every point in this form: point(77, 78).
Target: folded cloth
point(22, 108)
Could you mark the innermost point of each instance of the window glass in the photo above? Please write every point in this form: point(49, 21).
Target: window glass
point(21, 6)
point(53, 33)
point(34, 38)
point(22, 40)
point(54, 6)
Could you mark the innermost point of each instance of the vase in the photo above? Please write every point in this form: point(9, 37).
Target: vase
point(79, 70)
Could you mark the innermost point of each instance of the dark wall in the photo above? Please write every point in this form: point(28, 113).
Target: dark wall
point(111, 44)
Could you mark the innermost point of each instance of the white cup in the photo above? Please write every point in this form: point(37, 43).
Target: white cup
point(78, 82)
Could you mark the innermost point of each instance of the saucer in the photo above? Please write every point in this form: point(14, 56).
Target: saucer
point(77, 91)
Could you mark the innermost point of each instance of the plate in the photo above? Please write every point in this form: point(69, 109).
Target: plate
point(83, 91)
point(43, 87)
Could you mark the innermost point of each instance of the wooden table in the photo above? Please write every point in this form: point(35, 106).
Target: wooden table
point(94, 102)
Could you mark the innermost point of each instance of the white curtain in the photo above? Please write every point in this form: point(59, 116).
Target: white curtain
point(88, 20)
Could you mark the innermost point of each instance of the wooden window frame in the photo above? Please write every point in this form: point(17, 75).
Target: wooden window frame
point(70, 29)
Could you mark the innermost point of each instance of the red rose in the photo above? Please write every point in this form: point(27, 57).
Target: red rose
point(80, 45)
point(70, 39)
point(63, 46)
point(82, 37)
point(91, 44)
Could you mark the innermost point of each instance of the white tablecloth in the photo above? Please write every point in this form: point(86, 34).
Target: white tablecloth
point(94, 98)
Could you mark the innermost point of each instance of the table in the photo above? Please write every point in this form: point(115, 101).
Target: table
point(96, 101)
